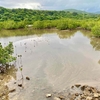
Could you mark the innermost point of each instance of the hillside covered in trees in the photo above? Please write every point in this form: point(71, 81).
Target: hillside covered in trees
point(40, 19)
point(34, 15)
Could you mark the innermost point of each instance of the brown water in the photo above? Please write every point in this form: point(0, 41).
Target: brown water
point(54, 60)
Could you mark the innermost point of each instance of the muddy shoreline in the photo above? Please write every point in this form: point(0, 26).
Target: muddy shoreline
point(75, 92)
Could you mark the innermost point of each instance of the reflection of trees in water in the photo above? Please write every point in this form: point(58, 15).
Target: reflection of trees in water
point(86, 33)
point(65, 34)
point(23, 32)
point(95, 42)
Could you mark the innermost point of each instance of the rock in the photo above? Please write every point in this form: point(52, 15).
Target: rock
point(61, 97)
point(15, 82)
point(76, 94)
point(3, 97)
point(89, 98)
point(77, 85)
point(99, 61)
point(86, 92)
point(20, 85)
point(27, 78)
point(83, 87)
point(48, 95)
point(56, 98)
point(4, 92)
point(94, 90)
point(1, 78)
point(72, 97)
point(2, 69)
point(72, 87)
point(83, 97)
point(96, 95)
point(12, 90)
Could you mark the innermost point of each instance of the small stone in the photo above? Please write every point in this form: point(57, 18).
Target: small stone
point(27, 78)
point(56, 98)
point(86, 92)
point(15, 82)
point(94, 90)
point(3, 98)
point(96, 95)
point(61, 97)
point(83, 87)
point(99, 61)
point(89, 98)
point(72, 87)
point(12, 90)
point(83, 97)
point(20, 85)
point(77, 85)
point(48, 95)
point(73, 97)
point(76, 94)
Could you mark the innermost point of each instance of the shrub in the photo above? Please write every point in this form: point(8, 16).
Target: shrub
point(6, 54)
point(96, 30)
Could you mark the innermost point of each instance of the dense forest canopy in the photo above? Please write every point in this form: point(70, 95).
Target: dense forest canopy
point(34, 15)
point(40, 19)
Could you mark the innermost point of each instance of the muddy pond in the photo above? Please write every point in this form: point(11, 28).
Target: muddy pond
point(53, 60)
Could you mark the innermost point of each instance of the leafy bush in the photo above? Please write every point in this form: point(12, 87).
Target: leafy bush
point(9, 24)
point(96, 30)
point(6, 54)
point(38, 25)
point(67, 24)
point(87, 24)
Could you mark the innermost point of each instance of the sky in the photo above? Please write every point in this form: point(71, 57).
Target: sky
point(84, 5)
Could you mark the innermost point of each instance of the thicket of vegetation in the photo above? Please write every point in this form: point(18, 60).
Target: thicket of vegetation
point(6, 54)
point(40, 19)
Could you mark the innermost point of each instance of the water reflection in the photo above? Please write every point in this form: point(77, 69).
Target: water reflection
point(65, 34)
point(95, 42)
point(25, 32)
point(54, 59)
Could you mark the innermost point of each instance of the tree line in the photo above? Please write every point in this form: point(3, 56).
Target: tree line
point(41, 19)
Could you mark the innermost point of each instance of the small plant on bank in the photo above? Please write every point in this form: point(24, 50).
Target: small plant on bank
point(6, 55)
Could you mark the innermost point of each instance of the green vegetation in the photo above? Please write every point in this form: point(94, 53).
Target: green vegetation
point(6, 54)
point(96, 30)
point(40, 19)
